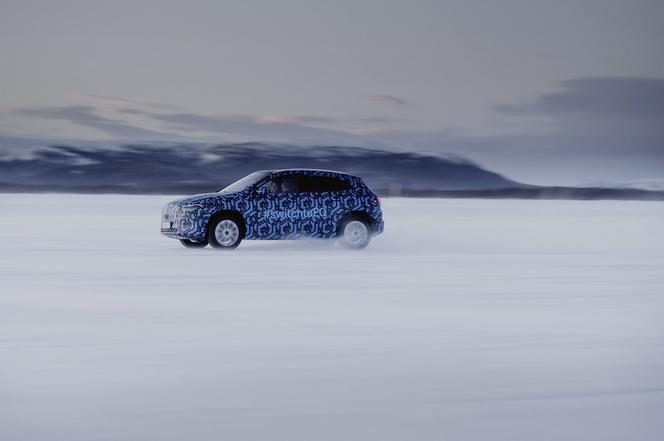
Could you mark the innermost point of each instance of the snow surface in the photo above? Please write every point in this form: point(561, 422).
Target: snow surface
point(466, 320)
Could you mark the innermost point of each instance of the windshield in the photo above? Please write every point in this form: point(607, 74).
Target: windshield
point(245, 182)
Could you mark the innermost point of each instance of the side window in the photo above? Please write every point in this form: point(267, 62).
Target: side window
point(289, 184)
point(321, 184)
point(281, 184)
point(272, 186)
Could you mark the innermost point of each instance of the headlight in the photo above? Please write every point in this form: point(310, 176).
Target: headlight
point(184, 210)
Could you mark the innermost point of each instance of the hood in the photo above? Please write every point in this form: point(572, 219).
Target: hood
point(198, 198)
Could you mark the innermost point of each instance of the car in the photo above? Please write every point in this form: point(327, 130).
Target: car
point(278, 204)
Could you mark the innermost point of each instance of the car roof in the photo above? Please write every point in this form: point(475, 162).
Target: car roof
point(312, 170)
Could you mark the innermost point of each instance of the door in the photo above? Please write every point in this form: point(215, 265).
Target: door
point(319, 200)
point(276, 216)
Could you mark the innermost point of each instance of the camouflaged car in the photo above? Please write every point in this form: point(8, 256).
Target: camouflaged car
point(278, 204)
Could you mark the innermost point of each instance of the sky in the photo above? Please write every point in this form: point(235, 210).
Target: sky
point(564, 92)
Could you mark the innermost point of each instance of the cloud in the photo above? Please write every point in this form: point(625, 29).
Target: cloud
point(181, 126)
point(248, 128)
point(598, 95)
point(323, 120)
point(86, 116)
point(382, 120)
point(601, 129)
point(389, 100)
point(600, 104)
point(298, 119)
point(105, 102)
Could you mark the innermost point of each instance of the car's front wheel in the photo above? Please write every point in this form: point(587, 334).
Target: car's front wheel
point(225, 233)
point(193, 244)
point(354, 233)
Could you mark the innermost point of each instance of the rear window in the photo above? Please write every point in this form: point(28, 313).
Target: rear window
point(321, 184)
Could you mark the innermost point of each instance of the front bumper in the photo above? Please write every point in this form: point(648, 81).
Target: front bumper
point(174, 234)
point(178, 223)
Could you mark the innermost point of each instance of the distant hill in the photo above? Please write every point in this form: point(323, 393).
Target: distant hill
point(25, 166)
point(193, 168)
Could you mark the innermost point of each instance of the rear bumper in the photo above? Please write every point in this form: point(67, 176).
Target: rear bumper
point(379, 227)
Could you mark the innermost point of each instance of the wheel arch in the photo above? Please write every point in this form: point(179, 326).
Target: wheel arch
point(228, 214)
point(357, 214)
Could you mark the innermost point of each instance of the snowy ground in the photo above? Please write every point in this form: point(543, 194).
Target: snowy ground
point(466, 320)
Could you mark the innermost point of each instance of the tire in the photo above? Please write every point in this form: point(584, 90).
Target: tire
point(193, 244)
point(354, 233)
point(225, 233)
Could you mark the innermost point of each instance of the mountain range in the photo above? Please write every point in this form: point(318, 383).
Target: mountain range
point(197, 168)
point(187, 167)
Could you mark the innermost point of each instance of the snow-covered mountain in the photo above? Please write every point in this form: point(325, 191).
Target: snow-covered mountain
point(186, 168)
point(651, 184)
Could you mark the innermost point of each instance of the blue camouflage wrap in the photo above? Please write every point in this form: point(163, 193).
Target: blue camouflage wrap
point(275, 216)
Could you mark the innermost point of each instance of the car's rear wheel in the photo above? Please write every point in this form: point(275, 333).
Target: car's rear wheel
point(225, 233)
point(354, 233)
point(193, 244)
